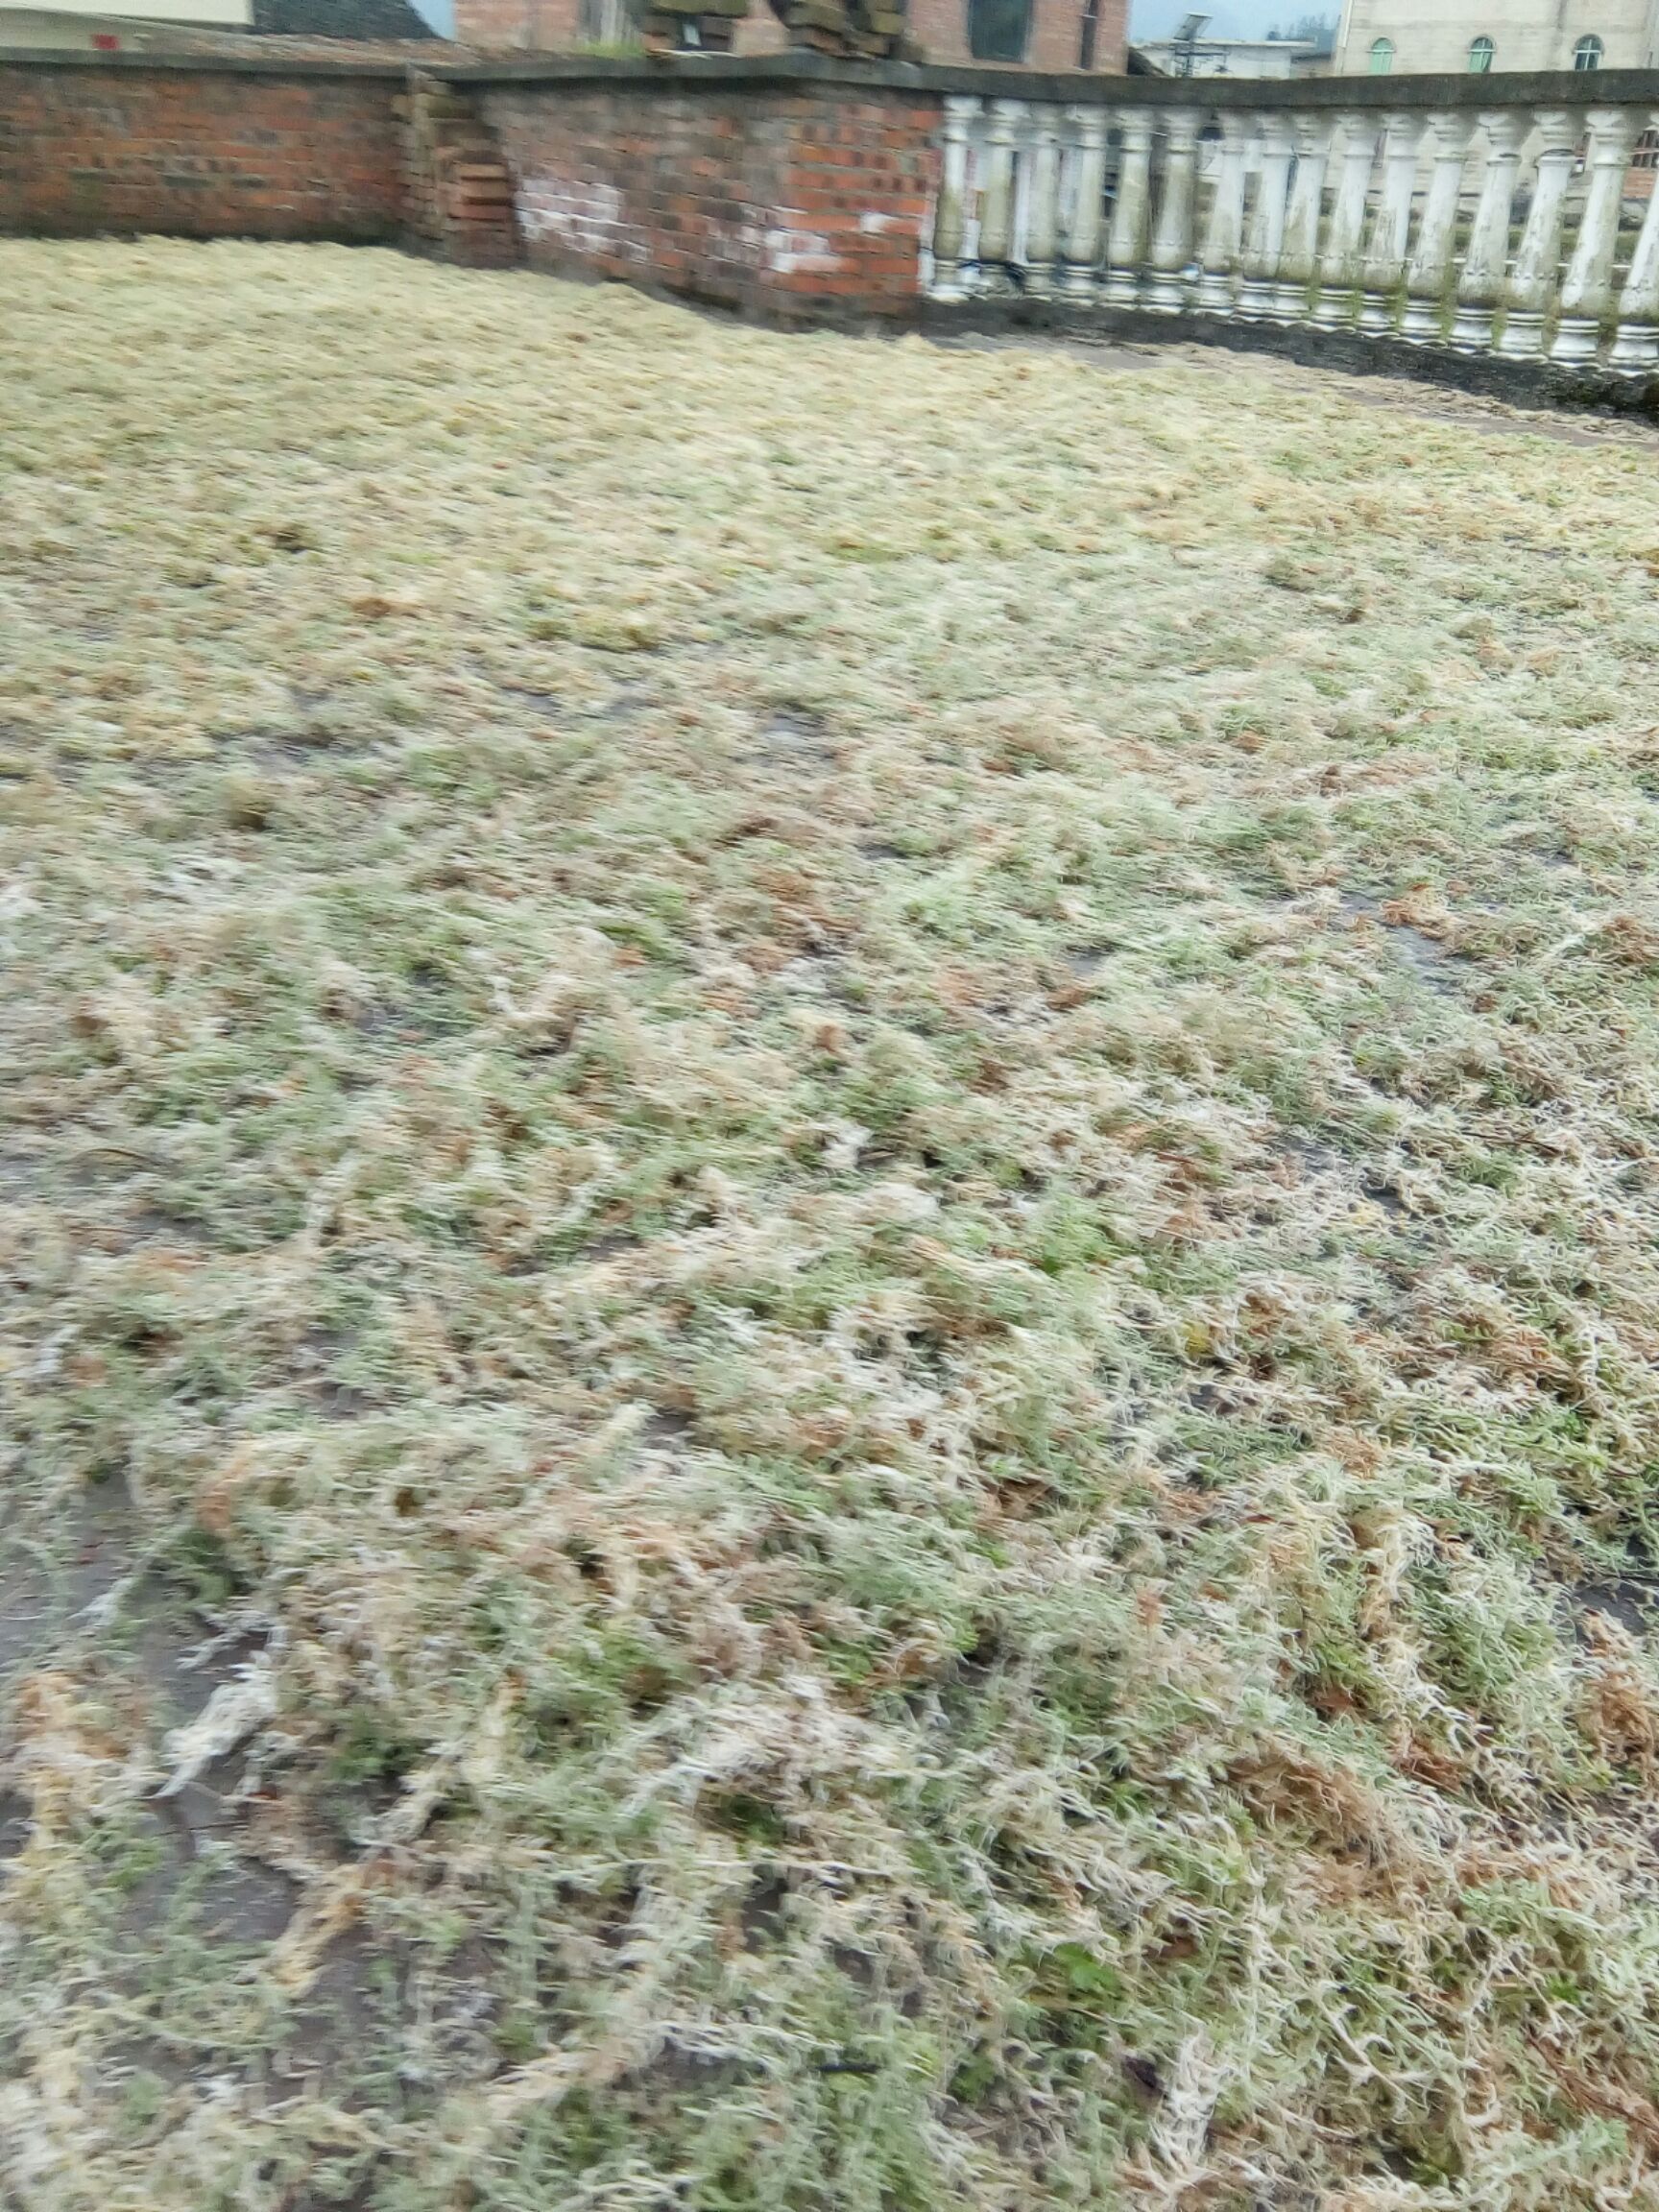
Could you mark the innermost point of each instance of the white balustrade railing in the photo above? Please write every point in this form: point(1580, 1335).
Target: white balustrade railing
point(1509, 228)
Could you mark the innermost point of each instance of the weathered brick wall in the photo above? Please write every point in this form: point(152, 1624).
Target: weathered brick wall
point(773, 196)
point(795, 201)
point(200, 151)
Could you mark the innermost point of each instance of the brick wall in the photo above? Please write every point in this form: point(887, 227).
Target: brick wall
point(794, 200)
point(198, 152)
point(772, 190)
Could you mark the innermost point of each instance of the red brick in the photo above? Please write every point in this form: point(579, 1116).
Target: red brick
point(751, 195)
point(200, 154)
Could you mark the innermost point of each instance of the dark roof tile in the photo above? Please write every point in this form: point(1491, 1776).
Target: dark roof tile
point(340, 20)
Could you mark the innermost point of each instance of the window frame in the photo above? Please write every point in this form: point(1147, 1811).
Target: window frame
point(1588, 54)
point(1483, 54)
point(978, 11)
point(1381, 57)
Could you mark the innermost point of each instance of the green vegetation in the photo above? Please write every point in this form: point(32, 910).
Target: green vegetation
point(829, 1176)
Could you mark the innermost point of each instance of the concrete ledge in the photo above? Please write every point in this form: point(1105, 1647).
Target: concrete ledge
point(1552, 89)
point(726, 72)
point(1523, 383)
point(255, 65)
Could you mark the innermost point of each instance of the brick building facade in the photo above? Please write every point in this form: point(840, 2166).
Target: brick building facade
point(1032, 34)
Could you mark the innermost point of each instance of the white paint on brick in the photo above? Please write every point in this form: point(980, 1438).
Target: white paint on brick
point(789, 251)
point(581, 217)
point(770, 239)
point(874, 224)
point(588, 218)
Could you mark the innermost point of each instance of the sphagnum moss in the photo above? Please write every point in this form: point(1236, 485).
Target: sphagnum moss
point(828, 1183)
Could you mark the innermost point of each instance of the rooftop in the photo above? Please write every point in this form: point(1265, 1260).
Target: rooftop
point(829, 1178)
point(375, 19)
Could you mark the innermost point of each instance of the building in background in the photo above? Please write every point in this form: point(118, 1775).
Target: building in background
point(146, 26)
point(108, 27)
point(1016, 33)
point(1413, 37)
point(1192, 52)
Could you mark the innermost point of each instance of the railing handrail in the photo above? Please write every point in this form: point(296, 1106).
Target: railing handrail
point(1518, 88)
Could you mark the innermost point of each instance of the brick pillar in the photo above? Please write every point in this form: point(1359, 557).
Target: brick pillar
point(458, 186)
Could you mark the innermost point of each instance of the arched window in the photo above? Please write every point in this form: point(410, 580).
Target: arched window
point(1482, 53)
point(1382, 56)
point(1588, 52)
point(998, 30)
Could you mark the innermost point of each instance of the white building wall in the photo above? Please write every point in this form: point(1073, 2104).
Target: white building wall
point(76, 23)
point(1526, 34)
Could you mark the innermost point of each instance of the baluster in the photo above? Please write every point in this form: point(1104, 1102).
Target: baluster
point(1265, 236)
point(1587, 292)
point(1339, 270)
point(951, 222)
point(1488, 252)
point(1082, 255)
point(1531, 287)
point(1429, 273)
point(1430, 268)
point(1126, 247)
point(1299, 258)
point(1172, 238)
point(1043, 211)
point(1636, 348)
point(1391, 225)
point(1225, 227)
point(997, 204)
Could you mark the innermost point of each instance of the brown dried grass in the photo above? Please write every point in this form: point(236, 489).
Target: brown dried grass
point(829, 1203)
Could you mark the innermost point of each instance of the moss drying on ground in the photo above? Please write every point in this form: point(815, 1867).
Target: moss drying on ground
point(828, 1183)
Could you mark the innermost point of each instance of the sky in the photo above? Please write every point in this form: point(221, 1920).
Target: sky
point(1228, 18)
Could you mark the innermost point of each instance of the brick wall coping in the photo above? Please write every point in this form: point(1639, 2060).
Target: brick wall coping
point(1518, 88)
point(726, 73)
point(383, 66)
